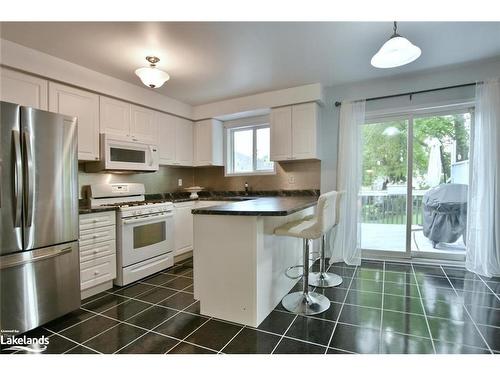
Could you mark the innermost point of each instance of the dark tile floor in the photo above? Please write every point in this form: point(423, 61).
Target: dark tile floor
point(381, 307)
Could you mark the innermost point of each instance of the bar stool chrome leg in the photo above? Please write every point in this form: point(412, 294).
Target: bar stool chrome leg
point(305, 302)
point(322, 278)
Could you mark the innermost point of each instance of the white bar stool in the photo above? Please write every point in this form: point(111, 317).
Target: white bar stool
point(322, 278)
point(310, 228)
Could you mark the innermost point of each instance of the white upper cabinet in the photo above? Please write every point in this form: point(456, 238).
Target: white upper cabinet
point(166, 138)
point(128, 120)
point(294, 132)
point(175, 140)
point(85, 106)
point(115, 116)
point(184, 142)
point(304, 131)
point(281, 133)
point(208, 143)
point(143, 124)
point(23, 89)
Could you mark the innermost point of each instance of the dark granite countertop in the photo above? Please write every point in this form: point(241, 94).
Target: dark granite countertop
point(268, 206)
point(286, 197)
point(205, 195)
point(88, 210)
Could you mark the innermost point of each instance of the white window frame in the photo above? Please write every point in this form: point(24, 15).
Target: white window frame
point(229, 159)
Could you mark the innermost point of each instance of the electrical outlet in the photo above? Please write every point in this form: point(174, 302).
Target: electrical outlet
point(291, 179)
point(179, 182)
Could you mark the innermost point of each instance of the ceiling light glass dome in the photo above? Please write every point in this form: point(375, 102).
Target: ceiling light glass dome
point(397, 51)
point(152, 76)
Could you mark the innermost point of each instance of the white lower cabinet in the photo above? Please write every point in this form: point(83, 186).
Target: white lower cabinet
point(97, 252)
point(184, 223)
point(183, 227)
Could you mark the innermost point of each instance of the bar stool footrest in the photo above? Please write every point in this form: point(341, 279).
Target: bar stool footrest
point(292, 268)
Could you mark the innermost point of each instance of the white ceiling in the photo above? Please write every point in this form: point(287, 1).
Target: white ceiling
point(214, 61)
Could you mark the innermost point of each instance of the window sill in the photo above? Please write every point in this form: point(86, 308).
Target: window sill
point(253, 173)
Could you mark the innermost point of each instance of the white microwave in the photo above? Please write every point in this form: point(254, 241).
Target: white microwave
point(119, 153)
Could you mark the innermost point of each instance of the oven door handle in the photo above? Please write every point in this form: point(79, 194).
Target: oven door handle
point(149, 218)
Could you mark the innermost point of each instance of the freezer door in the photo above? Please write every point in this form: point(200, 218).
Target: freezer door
point(38, 286)
point(11, 180)
point(50, 164)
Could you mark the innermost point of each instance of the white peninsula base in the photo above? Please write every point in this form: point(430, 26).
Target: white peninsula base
point(239, 265)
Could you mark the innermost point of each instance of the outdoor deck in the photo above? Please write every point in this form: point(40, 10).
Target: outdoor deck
point(392, 237)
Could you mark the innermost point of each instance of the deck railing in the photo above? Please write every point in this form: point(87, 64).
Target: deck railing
point(382, 207)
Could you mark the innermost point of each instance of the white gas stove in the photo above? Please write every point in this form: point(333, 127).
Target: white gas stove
point(145, 230)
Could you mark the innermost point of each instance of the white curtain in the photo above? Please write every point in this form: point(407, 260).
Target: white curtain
point(483, 216)
point(346, 235)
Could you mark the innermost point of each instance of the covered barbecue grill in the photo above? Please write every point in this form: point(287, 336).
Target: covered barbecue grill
point(445, 213)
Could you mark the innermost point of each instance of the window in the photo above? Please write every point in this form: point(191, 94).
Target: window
point(248, 150)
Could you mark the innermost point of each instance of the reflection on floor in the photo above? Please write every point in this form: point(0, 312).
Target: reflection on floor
point(380, 307)
point(392, 237)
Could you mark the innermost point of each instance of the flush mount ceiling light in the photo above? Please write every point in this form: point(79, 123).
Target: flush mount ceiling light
point(152, 76)
point(397, 51)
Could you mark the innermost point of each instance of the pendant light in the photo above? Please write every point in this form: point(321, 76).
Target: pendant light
point(152, 76)
point(397, 51)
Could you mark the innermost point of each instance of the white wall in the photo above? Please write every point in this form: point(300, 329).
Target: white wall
point(32, 61)
point(258, 102)
point(443, 77)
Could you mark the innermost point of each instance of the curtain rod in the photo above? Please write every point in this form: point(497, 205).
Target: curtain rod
point(338, 104)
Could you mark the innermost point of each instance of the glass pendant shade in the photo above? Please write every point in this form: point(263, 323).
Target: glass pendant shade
point(395, 52)
point(152, 76)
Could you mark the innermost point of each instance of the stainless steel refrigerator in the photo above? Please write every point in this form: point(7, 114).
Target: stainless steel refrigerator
point(39, 260)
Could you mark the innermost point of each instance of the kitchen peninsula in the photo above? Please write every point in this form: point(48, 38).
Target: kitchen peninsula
point(239, 264)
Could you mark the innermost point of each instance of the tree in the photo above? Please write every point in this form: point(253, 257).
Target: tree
point(385, 147)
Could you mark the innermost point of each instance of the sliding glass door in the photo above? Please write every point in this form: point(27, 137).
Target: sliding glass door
point(384, 185)
point(440, 174)
point(424, 215)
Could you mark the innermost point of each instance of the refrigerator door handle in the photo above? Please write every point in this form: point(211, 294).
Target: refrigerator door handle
point(18, 182)
point(27, 257)
point(28, 169)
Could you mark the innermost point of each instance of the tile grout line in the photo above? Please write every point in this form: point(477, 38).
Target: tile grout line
point(283, 335)
point(183, 340)
point(382, 311)
point(340, 311)
point(237, 333)
point(127, 299)
point(122, 321)
point(160, 286)
point(73, 341)
point(470, 316)
point(307, 342)
point(487, 286)
point(150, 330)
point(135, 326)
point(423, 308)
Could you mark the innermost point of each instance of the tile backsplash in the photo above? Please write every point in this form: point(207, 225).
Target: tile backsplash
point(157, 182)
point(297, 175)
